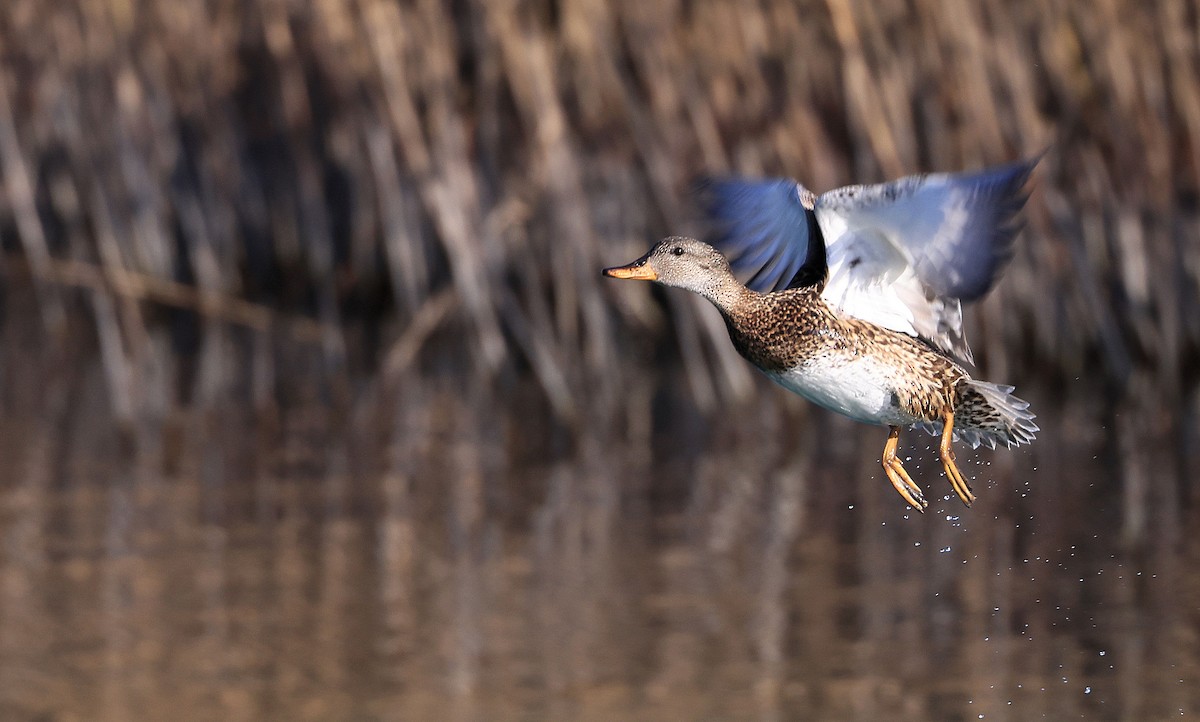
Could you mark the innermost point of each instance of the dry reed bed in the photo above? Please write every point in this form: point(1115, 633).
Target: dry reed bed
point(458, 171)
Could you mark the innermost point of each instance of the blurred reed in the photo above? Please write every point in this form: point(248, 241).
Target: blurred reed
point(430, 187)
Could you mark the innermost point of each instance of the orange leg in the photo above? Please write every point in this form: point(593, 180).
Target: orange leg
point(898, 476)
point(961, 487)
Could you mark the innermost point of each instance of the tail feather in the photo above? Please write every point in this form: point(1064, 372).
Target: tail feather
point(989, 415)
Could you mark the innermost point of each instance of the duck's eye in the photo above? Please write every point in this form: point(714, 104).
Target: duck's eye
point(677, 250)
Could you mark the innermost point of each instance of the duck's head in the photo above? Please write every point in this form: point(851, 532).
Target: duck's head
point(683, 263)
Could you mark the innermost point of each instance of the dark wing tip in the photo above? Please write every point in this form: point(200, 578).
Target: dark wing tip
point(1005, 194)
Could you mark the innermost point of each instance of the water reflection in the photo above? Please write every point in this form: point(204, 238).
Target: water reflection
point(392, 562)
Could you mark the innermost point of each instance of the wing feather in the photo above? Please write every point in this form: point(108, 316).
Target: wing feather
point(765, 230)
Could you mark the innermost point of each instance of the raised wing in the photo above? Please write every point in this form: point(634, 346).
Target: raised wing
point(902, 255)
point(955, 230)
point(767, 230)
point(905, 254)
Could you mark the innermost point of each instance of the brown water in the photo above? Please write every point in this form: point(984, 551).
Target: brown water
point(413, 558)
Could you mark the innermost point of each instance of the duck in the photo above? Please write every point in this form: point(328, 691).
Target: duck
point(852, 299)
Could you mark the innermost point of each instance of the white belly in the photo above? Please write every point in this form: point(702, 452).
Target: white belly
point(861, 388)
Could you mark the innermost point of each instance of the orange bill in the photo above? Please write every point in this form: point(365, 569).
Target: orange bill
point(638, 271)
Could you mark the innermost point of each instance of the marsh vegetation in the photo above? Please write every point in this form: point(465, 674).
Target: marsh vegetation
point(315, 405)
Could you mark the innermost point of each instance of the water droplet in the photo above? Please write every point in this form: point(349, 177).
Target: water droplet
point(1087, 690)
point(943, 551)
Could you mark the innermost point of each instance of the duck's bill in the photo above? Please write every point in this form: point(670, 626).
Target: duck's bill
point(638, 271)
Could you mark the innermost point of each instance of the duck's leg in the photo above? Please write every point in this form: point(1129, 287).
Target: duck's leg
point(898, 476)
point(961, 487)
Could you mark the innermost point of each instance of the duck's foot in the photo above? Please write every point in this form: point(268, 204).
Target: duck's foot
point(896, 474)
point(961, 487)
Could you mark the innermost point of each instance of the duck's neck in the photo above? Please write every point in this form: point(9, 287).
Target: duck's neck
point(731, 296)
point(727, 294)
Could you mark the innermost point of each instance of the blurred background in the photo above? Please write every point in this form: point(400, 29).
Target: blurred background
point(314, 405)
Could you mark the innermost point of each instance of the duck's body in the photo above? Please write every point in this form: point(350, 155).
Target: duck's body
point(854, 343)
point(871, 374)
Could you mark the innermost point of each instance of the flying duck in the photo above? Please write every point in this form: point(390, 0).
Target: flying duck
point(853, 298)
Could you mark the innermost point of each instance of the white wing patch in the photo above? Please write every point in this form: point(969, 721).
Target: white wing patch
point(863, 275)
point(873, 277)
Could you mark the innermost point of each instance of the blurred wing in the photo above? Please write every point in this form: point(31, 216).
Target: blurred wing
point(904, 254)
point(766, 231)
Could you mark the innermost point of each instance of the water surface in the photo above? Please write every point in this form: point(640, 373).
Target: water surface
point(415, 557)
